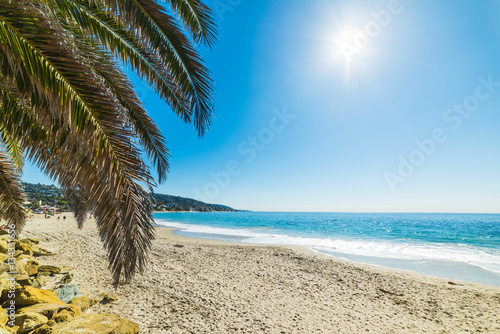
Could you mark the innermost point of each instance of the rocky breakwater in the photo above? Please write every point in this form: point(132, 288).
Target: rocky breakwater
point(28, 308)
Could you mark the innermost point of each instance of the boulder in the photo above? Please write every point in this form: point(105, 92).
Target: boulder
point(39, 251)
point(45, 329)
point(63, 316)
point(25, 248)
point(30, 264)
point(66, 269)
point(28, 295)
point(4, 329)
point(83, 302)
point(107, 298)
point(4, 282)
point(51, 310)
point(104, 323)
point(26, 241)
point(43, 279)
point(3, 316)
point(67, 292)
point(34, 241)
point(29, 321)
point(34, 282)
point(4, 245)
point(67, 278)
point(49, 270)
point(15, 267)
point(4, 267)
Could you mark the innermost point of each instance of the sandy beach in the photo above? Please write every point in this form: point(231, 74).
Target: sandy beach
point(203, 286)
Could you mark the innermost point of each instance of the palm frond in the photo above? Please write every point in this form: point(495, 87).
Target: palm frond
point(67, 106)
point(198, 19)
point(11, 193)
point(161, 32)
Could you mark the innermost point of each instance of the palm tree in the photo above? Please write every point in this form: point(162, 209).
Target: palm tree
point(67, 106)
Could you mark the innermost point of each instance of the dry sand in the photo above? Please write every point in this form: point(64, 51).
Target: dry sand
point(202, 286)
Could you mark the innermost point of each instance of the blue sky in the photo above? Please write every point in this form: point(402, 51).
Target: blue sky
point(345, 106)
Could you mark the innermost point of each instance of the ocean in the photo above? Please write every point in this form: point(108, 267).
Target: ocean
point(454, 246)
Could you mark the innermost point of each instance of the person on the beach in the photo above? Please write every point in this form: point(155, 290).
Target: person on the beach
point(64, 218)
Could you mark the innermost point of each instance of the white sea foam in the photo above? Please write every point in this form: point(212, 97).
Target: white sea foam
point(488, 259)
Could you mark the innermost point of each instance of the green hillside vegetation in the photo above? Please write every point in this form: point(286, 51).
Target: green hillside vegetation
point(51, 196)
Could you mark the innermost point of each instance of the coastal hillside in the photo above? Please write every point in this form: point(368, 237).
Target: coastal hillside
point(177, 203)
point(41, 195)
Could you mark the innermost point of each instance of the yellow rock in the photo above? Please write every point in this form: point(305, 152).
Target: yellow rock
point(42, 279)
point(48, 270)
point(3, 316)
point(108, 298)
point(45, 329)
point(3, 257)
point(4, 282)
point(63, 316)
point(4, 267)
point(29, 321)
point(34, 240)
point(26, 241)
point(83, 301)
point(39, 251)
point(25, 248)
point(51, 310)
point(4, 246)
point(104, 323)
point(28, 295)
point(8, 330)
point(14, 266)
point(31, 266)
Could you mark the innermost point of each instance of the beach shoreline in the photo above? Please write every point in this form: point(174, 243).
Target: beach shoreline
point(204, 285)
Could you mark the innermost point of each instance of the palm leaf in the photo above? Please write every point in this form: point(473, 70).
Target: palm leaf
point(198, 19)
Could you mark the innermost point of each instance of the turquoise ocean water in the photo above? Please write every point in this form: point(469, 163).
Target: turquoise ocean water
point(454, 246)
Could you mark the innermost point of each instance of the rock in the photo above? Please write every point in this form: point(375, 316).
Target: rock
point(3, 317)
point(26, 241)
point(3, 257)
point(8, 330)
point(30, 265)
point(104, 323)
point(66, 279)
point(28, 295)
point(82, 301)
point(49, 270)
point(43, 279)
point(29, 321)
point(45, 329)
point(16, 267)
point(66, 269)
point(34, 282)
point(4, 245)
point(107, 298)
point(4, 267)
point(67, 292)
point(35, 241)
point(39, 251)
point(51, 310)
point(63, 316)
point(4, 282)
point(25, 248)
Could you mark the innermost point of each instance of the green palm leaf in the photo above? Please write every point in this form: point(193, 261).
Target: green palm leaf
point(68, 107)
